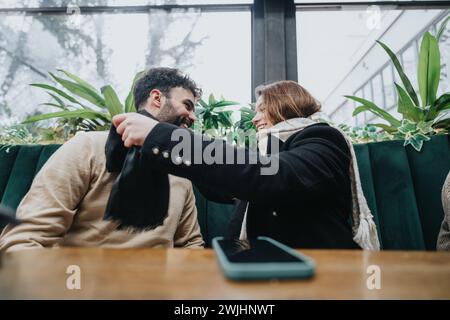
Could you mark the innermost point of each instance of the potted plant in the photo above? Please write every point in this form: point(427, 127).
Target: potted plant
point(421, 118)
point(82, 107)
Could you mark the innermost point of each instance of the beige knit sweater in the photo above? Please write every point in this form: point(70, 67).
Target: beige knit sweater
point(67, 200)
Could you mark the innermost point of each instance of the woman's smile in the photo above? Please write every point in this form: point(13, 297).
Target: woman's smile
point(261, 126)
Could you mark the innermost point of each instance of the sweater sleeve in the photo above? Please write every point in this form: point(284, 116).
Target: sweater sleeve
point(188, 230)
point(48, 209)
point(308, 168)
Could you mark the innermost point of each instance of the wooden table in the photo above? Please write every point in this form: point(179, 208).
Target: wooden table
point(195, 274)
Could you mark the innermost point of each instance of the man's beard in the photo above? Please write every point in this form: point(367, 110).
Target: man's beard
point(169, 114)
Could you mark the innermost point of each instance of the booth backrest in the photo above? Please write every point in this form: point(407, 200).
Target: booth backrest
point(402, 187)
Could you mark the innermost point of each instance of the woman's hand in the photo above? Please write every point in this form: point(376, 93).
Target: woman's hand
point(133, 127)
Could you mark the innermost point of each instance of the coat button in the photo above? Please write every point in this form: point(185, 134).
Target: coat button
point(178, 160)
point(155, 150)
point(165, 154)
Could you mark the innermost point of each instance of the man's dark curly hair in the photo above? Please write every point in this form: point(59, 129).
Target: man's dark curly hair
point(162, 79)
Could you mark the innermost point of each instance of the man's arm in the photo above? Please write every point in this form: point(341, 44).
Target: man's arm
point(188, 231)
point(47, 210)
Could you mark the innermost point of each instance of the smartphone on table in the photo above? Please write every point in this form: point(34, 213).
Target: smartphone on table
point(261, 258)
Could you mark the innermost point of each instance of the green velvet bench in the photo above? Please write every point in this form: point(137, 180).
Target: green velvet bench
point(402, 187)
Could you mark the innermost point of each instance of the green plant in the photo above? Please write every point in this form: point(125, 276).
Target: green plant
point(247, 114)
point(213, 116)
point(365, 133)
point(17, 134)
point(83, 107)
point(243, 132)
point(423, 118)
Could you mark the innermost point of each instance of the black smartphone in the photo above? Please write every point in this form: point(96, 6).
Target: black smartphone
point(261, 258)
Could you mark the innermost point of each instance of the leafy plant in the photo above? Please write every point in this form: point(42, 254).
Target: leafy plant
point(243, 133)
point(82, 107)
point(17, 134)
point(247, 114)
point(423, 118)
point(213, 115)
point(366, 133)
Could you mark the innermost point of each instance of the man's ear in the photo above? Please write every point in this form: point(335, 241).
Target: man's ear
point(155, 98)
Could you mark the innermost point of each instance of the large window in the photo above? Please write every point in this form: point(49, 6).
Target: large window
point(111, 47)
point(108, 41)
point(338, 55)
point(110, 3)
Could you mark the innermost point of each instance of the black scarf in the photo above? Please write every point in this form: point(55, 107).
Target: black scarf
point(140, 195)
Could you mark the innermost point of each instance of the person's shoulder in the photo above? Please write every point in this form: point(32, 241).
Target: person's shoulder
point(89, 139)
point(321, 131)
point(92, 136)
point(85, 145)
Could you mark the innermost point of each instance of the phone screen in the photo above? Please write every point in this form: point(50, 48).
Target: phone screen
point(251, 251)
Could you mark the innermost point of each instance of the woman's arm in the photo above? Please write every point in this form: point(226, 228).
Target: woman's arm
point(212, 195)
point(308, 167)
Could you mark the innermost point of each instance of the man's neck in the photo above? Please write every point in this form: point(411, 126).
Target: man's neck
point(150, 112)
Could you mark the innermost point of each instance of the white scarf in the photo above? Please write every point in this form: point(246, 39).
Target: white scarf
point(364, 228)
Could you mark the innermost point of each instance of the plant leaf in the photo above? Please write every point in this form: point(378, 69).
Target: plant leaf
point(78, 80)
point(443, 103)
point(225, 103)
point(129, 101)
point(81, 91)
point(385, 127)
point(360, 109)
point(211, 99)
point(406, 83)
point(406, 106)
point(112, 101)
point(60, 92)
point(407, 127)
point(442, 123)
point(429, 69)
point(53, 105)
point(203, 104)
point(372, 107)
point(416, 141)
point(58, 100)
point(425, 127)
point(85, 114)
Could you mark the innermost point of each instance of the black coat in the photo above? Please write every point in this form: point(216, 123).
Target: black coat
point(306, 204)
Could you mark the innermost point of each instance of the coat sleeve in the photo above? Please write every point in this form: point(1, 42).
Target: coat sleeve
point(211, 195)
point(48, 209)
point(307, 168)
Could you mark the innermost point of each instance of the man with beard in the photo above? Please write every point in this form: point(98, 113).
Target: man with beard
point(94, 191)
